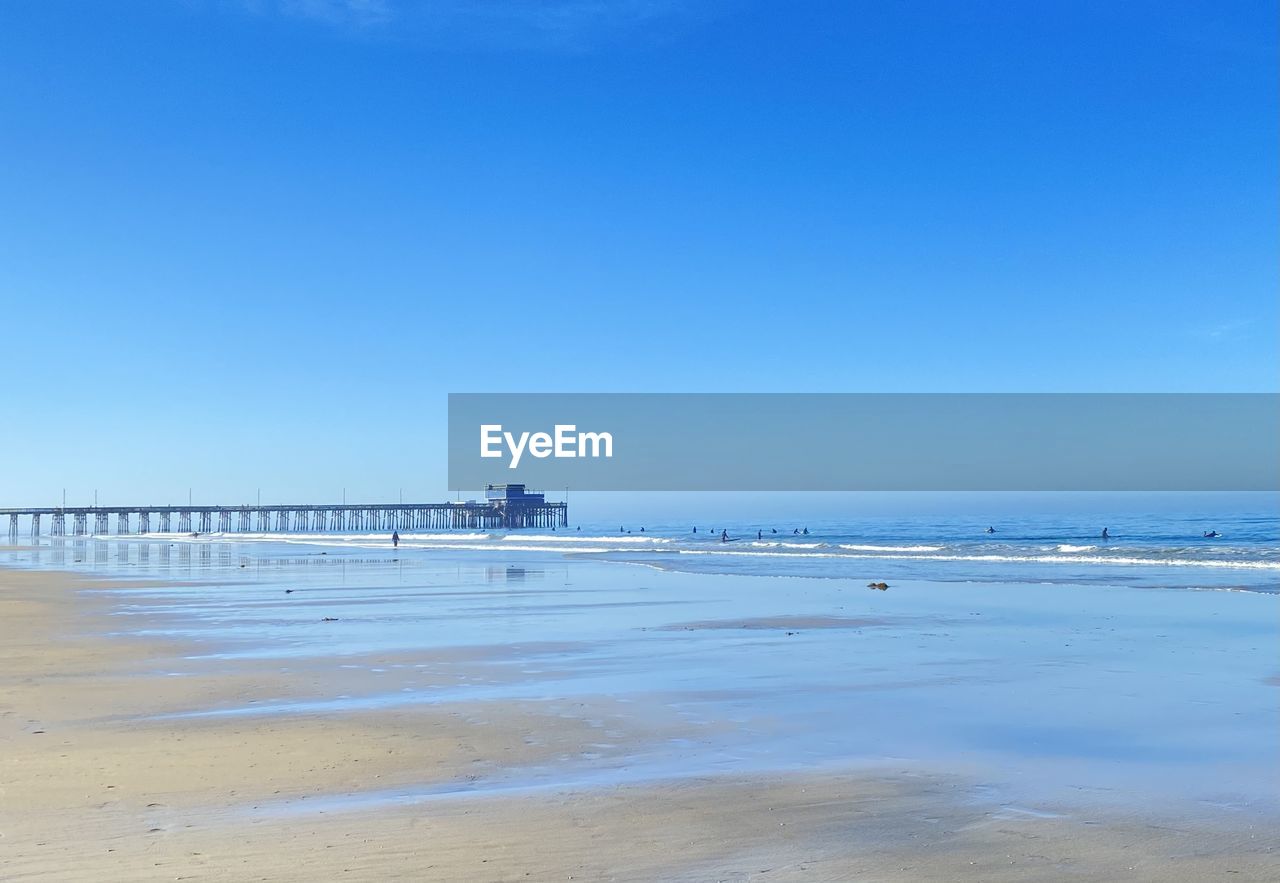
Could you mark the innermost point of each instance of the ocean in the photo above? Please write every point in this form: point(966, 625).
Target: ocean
point(1155, 551)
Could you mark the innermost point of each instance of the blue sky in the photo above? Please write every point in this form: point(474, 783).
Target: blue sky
point(254, 244)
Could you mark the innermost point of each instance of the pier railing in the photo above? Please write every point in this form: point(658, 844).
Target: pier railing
point(343, 517)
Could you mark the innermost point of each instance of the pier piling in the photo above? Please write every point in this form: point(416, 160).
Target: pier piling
point(504, 507)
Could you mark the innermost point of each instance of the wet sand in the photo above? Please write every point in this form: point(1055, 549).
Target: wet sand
point(106, 774)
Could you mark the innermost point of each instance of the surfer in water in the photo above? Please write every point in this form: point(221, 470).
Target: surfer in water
point(1105, 535)
point(724, 536)
point(395, 539)
point(1210, 534)
point(991, 530)
point(759, 535)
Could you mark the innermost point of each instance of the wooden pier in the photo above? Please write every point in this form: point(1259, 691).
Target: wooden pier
point(504, 507)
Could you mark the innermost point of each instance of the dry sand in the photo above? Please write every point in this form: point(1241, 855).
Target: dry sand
point(93, 786)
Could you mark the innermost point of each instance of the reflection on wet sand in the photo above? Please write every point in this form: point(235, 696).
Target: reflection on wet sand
point(511, 573)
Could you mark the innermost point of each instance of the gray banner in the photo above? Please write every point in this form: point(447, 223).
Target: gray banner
point(851, 442)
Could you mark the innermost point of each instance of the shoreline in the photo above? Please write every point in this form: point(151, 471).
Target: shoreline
point(1248, 563)
point(111, 788)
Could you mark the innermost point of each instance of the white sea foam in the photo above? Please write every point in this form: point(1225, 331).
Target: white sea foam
point(868, 548)
point(488, 547)
point(577, 538)
point(781, 545)
point(630, 544)
point(336, 539)
point(1009, 559)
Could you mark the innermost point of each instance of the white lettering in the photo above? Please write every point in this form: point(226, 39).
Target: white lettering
point(563, 443)
point(540, 445)
point(597, 439)
point(564, 440)
point(517, 450)
point(489, 436)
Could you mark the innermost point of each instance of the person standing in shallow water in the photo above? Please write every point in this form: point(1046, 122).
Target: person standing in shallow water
point(395, 539)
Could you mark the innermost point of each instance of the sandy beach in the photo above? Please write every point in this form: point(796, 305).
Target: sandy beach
point(114, 768)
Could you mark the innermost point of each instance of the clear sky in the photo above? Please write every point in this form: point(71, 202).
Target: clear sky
point(254, 243)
